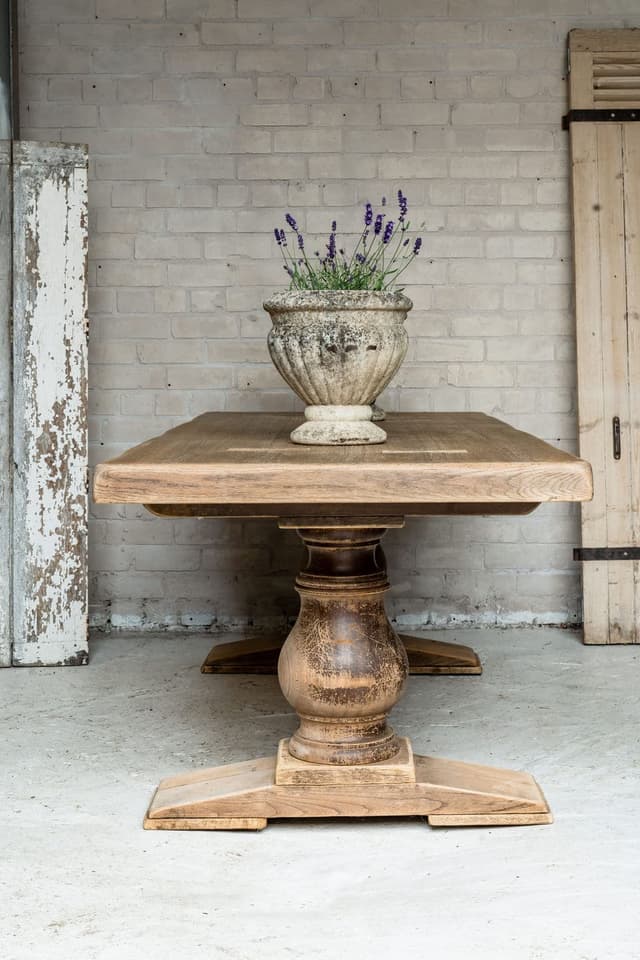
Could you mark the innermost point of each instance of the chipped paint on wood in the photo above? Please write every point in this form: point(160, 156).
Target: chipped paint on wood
point(49, 404)
point(5, 403)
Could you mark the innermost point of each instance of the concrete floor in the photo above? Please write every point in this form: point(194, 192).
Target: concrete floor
point(84, 748)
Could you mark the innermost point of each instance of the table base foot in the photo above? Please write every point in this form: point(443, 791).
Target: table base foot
point(244, 796)
point(259, 655)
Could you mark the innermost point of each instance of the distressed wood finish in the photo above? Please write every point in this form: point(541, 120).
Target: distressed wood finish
point(227, 458)
point(6, 460)
point(245, 796)
point(49, 408)
point(343, 667)
point(605, 197)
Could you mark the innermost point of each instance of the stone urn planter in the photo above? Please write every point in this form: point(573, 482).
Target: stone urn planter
point(338, 350)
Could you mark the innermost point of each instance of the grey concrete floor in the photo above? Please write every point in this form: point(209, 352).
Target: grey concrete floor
point(83, 749)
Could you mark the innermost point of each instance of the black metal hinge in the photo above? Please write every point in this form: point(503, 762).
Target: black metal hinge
point(606, 553)
point(600, 116)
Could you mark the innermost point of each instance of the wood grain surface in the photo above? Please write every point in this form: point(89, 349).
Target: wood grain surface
point(428, 458)
point(243, 796)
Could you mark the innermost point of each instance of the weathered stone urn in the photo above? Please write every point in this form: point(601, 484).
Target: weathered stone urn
point(338, 349)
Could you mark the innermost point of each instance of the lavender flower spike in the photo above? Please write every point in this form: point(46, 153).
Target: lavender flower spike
point(403, 204)
point(276, 234)
point(378, 224)
point(368, 215)
point(388, 232)
point(417, 245)
point(291, 222)
point(301, 241)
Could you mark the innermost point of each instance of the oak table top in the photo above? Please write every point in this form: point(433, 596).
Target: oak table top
point(429, 458)
point(343, 666)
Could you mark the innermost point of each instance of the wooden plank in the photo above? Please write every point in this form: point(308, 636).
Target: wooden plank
point(49, 409)
point(439, 458)
point(614, 42)
point(631, 440)
point(613, 307)
point(580, 80)
point(6, 468)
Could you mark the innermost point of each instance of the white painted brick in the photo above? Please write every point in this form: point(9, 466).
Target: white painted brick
point(308, 32)
point(167, 248)
point(238, 33)
point(405, 59)
point(227, 140)
point(183, 105)
point(344, 114)
point(186, 63)
point(412, 8)
point(309, 88)
point(337, 167)
point(248, 9)
point(271, 60)
point(307, 141)
point(414, 113)
point(187, 10)
point(485, 113)
point(474, 60)
point(483, 166)
point(275, 168)
point(130, 9)
point(169, 300)
point(279, 115)
point(200, 221)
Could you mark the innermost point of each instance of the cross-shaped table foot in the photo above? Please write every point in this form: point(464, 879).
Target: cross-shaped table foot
point(245, 796)
point(259, 655)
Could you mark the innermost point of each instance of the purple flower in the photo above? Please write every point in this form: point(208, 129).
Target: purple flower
point(405, 242)
point(334, 226)
point(388, 232)
point(368, 215)
point(403, 204)
point(301, 241)
point(291, 222)
point(417, 245)
point(276, 234)
point(360, 258)
point(378, 224)
point(331, 246)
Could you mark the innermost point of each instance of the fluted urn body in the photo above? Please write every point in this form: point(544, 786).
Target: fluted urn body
point(337, 350)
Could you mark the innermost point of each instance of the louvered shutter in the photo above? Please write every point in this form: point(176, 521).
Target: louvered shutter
point(605, 159)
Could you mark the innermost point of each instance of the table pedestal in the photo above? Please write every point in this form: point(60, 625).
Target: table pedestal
point(343, 668)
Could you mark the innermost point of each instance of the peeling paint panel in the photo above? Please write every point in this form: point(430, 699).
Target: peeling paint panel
point(5, 403)
point(50, 404)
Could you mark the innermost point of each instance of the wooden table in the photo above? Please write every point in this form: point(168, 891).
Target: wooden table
point(342, 666)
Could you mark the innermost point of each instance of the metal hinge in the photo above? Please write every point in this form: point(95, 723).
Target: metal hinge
point(606, 553)
point(600, 116)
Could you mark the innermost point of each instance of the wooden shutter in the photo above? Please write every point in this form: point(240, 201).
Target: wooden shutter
point(605, 158)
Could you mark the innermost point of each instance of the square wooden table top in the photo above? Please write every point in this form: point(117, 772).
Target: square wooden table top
point(429, 458)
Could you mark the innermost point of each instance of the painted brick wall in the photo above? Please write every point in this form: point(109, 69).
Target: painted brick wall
point(206, 119)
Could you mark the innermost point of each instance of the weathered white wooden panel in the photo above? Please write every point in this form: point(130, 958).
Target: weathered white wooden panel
point(5, 403)
point(49, 404)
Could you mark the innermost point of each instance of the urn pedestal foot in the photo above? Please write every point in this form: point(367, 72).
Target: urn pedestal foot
point(338, 426)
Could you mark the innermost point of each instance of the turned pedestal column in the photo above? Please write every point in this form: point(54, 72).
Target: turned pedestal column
point(342, 667)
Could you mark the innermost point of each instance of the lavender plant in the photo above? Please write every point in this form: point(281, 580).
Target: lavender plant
point(383, 252)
